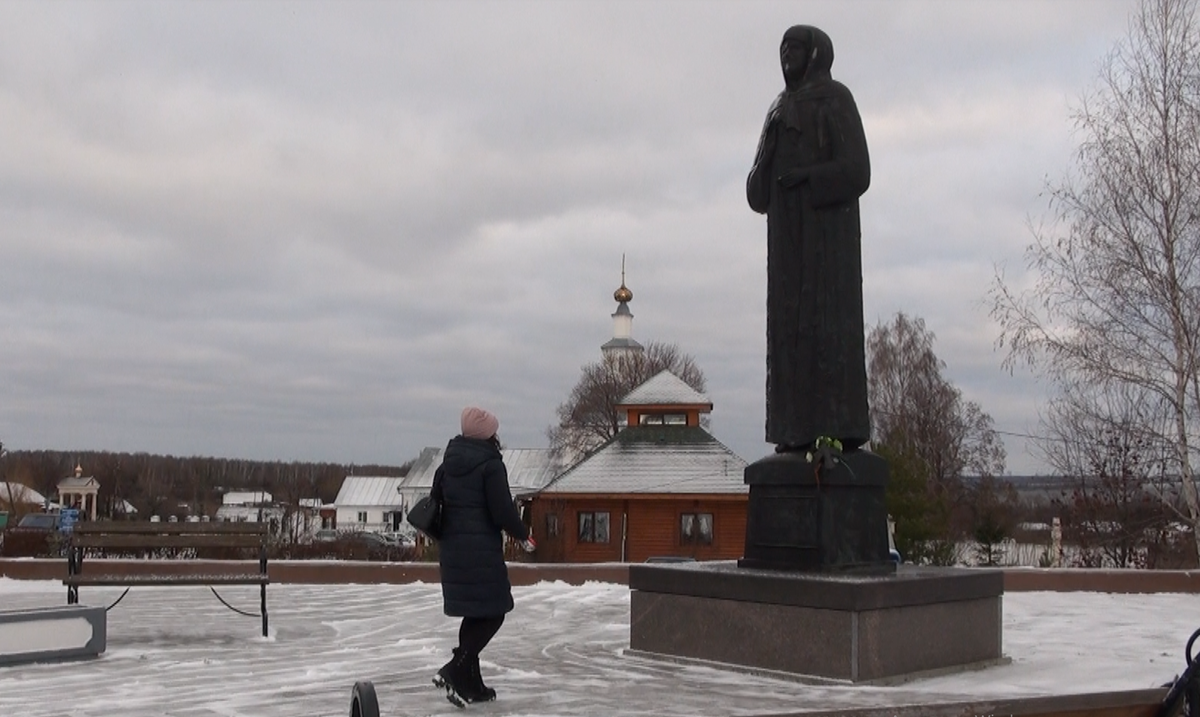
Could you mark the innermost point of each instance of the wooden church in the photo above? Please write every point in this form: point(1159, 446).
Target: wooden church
point(662, 488)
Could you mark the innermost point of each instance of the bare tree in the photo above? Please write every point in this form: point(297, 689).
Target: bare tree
point(1121, 507)
point(1117, 298)
point(931, 437)
point(589, 417)
point(915, 408)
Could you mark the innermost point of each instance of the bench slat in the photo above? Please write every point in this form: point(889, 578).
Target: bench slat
point(124, 527)
point(165, 541)
point(244, 579)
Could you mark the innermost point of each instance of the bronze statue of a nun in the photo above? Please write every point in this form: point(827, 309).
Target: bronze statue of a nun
point(810, 169)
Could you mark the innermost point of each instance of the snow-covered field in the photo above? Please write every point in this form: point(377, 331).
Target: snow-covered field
point(178, 652)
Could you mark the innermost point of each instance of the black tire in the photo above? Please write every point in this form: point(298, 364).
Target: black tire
point(363, 702)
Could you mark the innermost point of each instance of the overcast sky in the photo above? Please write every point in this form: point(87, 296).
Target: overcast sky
point(315, 231)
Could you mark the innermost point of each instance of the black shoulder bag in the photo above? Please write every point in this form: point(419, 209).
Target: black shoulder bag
point(426, 515)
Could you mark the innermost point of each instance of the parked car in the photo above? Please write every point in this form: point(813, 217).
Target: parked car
point(397, 538)
point(326, 535)
point(357, 544)
point(36, 535)
point(372, 538)
point(40, 521)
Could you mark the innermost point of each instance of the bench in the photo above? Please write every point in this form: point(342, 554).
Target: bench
point(168, 545)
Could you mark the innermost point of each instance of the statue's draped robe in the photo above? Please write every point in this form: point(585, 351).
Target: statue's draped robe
point(816, 374)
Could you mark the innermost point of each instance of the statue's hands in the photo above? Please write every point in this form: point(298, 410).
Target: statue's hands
point(793, 177)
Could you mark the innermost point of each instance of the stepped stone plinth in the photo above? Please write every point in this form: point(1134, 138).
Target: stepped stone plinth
point(844, 628)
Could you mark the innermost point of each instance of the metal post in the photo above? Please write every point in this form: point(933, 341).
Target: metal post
point(262, 568)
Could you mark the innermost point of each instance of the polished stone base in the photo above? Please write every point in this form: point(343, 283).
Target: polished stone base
point(853, 629)
point(805, 516)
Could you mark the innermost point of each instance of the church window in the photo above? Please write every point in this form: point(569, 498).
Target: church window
point(696, 529)
point(593, 527)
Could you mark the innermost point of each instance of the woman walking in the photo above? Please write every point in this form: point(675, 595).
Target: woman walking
point(476, 506)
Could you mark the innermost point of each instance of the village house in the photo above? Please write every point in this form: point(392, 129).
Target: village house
point(529, 469)
point(18, 499)
point(370, 503)
point(380, 503)
point(662, 488)
point(295, 522)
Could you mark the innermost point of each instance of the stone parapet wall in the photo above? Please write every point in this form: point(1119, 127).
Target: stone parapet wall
point(316, 572)
point(324, 572)
point(1100, 580)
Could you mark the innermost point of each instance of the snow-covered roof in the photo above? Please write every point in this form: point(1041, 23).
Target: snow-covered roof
point(368, 491)
point(665, 388)
point(77, 482)
point(656, 459)
point(237, 497)
point(420, 474)
point(528, 469)
point(21, 494)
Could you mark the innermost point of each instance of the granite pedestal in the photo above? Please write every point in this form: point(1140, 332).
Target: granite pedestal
point(805, 515)
point(848, 628)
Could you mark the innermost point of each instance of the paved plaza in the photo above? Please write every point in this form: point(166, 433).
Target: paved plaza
point(178, 652)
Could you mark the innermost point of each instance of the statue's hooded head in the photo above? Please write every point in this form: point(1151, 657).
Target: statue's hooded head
point(806, 55)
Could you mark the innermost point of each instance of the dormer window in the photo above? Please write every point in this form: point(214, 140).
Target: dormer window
point(664, 400)
point(663, 419)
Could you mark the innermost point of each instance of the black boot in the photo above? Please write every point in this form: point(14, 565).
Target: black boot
point(483, 693)
point(455, 678)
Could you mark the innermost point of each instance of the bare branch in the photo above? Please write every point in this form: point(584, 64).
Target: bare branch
point(1116, 305)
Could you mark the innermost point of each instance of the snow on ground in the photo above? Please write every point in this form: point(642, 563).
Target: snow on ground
point(178, 652)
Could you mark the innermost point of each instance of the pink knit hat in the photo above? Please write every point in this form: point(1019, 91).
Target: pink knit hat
point(478, 423)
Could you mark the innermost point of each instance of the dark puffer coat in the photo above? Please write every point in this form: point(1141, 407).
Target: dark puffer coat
point(476, 505)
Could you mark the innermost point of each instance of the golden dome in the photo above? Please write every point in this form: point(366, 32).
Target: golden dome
point(623, 294)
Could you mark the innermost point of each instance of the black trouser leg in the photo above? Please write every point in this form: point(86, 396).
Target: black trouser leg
point(476, 632)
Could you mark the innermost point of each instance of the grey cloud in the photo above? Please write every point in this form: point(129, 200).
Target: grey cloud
point(316, 230)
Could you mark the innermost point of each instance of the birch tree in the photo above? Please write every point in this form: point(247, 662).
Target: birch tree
point(1116, 299)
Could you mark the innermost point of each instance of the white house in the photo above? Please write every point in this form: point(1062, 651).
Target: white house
point(260, 506)
point(529, 470)
point(247, 507)
point(23, 495)
point(370, 503)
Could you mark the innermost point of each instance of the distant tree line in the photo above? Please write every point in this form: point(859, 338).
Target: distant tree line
point(181, 486)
